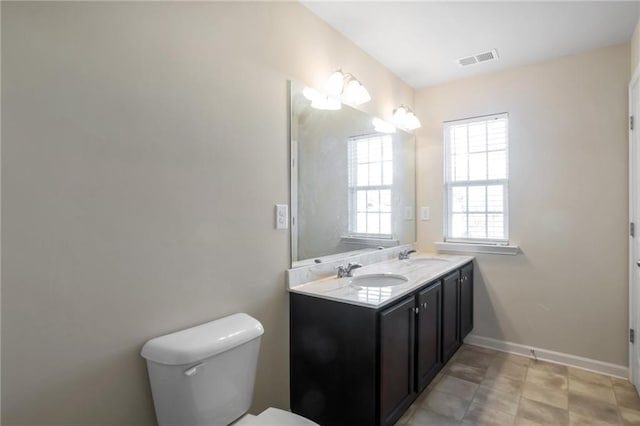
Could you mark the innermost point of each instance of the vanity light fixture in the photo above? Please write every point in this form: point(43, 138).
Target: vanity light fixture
point(382, 126)
point(404, 117)
point(321, 101)
point(348, 87)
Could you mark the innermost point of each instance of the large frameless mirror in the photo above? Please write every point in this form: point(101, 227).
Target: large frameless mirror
point(352, 181)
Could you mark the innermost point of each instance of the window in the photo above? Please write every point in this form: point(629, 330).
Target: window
point(476, 180)
point(370, 180)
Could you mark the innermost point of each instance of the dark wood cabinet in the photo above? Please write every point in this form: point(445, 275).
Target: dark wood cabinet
point(397, 339)
point(428, 335)
point(450, 315)
point(466, 300)
point(353, 365)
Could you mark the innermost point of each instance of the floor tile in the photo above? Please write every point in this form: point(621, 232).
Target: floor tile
point(549, 367)
point(504, 383)
point(479, 349)
point(495, 400)
point(600, 392)
point(466, 372)
point(589, 377)
point(446, 404)
point(626, 396)
point(629, 417)
point(478, 415)
point(475, 359)
point(425, 417)
point(402, 421)
point(539, 392)
point(576, 419)
point(483, 387)
point(458, 387)
point(622, 382)
point(435, 380)
point(516, 359)
point(547, 379)
point(501, 366)
point(536, 413)
point(593, 409)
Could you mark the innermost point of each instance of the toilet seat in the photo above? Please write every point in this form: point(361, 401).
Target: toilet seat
point(274, 417)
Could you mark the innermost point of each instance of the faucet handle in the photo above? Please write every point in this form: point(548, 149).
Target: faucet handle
point(345, 271)
point(404, 254)
point(341, 270)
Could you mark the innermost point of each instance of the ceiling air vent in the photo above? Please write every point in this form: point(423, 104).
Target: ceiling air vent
point(491, 55)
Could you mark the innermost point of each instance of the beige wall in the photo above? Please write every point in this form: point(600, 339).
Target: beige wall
point(567, 291)
point(144, 146)
point(635, 48)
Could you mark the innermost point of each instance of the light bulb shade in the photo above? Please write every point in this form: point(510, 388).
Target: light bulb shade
point(311, 94)
point(326, 103)
point(399, 115)
point(411, 121)
point(335, 83)
point(321, 101)
point(405, 118)
point(355, 93)
point(382, 126)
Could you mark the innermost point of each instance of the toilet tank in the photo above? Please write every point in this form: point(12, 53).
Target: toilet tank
point(204, 375)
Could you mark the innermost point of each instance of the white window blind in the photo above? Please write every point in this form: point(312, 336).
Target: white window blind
point(476, 179)
point(370, 180)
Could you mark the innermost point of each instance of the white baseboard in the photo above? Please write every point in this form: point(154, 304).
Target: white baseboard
point(550, 356)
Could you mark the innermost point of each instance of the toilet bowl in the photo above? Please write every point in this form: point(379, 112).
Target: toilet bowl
point(205, 375)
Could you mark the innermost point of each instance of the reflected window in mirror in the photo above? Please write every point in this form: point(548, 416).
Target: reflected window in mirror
point(334, 212)
point(370, 185)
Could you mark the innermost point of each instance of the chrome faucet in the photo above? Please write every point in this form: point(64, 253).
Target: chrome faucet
point(346, 271)
point(404, 254)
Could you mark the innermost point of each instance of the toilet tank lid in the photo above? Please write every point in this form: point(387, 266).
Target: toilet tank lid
point(202, 341)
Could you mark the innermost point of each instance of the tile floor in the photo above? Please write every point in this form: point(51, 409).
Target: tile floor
point(483, 387)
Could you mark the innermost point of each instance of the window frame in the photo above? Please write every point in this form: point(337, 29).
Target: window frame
point(352, 189)
point(449, 184)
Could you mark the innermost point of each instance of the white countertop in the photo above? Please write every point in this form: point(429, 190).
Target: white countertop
point(417, 273)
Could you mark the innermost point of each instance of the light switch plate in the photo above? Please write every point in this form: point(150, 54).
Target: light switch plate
point(282, 216)
point(425, 213)
point(408, 213)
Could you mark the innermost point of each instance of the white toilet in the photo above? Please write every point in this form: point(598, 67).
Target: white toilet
point(204, 375)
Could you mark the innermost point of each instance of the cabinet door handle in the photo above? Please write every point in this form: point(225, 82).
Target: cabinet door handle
point(424, 305)
point(416, 310)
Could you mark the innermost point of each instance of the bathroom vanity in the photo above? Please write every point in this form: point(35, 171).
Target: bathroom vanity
point(360, 355)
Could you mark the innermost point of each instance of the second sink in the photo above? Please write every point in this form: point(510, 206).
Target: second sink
point(378, 280)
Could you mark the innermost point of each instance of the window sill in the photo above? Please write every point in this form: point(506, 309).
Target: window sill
point(369, 241)
point(477, 248)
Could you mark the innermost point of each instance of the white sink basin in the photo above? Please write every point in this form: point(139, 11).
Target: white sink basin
point(378, 280)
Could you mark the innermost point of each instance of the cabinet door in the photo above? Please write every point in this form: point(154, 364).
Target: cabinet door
point(450, 315)
point(396, 360)
point(429, 348)
point(466, 300)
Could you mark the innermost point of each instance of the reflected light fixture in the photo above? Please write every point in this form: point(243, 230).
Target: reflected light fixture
point(321, 101)
point(382, 126)
point(404, 117)
point(348, 87)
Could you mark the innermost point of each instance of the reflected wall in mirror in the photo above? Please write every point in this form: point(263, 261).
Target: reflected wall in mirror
point(352, 187)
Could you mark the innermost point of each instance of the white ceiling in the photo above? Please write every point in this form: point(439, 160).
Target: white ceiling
point(421, 41)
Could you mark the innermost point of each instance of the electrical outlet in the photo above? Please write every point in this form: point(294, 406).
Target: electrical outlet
point(282, 216)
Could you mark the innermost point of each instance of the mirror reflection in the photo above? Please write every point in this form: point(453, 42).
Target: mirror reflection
point(352, 180)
